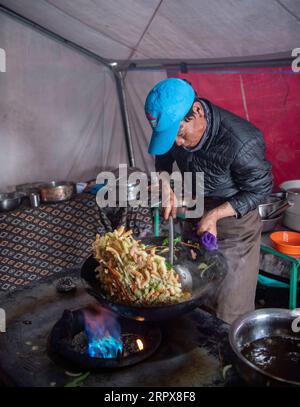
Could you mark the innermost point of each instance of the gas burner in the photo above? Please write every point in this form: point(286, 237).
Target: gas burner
point(131, 343)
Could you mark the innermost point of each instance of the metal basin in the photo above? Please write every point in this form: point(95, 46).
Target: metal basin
point(270, 224)
point(57, 191)
point(10, 201)
point(272, 203)
point(263, 323)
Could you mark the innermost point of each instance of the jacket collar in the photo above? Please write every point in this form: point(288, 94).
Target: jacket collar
point(215, 122)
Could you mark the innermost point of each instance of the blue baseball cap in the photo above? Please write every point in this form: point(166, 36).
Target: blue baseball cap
point(165, 107)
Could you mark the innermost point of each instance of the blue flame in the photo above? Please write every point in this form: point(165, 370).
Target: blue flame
point(103, 332)
point(107, 347)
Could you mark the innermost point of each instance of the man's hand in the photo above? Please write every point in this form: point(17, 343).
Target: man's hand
point(209, 221)
point(170, 205)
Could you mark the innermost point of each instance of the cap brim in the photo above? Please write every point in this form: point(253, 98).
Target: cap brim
point(162, 141)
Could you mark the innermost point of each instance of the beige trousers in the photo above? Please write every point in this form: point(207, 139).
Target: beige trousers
point(239, 242)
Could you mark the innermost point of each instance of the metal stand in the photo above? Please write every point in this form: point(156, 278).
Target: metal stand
point(295, 264)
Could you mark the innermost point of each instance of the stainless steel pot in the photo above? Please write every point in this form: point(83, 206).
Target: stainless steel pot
point(57, 191)
point(292, 215)
point(270, 224)
point(10, 201)
point(263, 323)
point(272, 203)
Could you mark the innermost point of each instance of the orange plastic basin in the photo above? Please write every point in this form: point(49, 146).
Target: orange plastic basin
point(286, 242)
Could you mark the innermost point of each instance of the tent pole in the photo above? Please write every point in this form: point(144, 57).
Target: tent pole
point(190, 66)
point(78, 48)
point(125, 118)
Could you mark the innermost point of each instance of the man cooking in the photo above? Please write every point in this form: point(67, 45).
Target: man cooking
point(202, 137)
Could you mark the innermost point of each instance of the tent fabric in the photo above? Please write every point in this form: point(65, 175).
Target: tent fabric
point(170, 29)
point(59, 111)
point(267, 97)
point(137, 87)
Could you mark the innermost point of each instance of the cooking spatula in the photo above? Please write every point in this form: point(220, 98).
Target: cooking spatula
point(182, 270)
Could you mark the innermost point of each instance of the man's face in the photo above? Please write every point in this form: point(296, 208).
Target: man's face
point(186, 136)
point(190, 132)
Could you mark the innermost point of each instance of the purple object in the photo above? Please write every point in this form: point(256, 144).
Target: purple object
point(209, 241)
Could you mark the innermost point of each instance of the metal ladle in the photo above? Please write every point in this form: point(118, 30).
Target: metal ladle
point(184, 273)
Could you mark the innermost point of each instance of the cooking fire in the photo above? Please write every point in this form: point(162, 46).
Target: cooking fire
point(108, 347)
point(96, 337)
point(103, 333)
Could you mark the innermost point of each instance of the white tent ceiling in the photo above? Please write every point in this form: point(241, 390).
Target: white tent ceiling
point(131, 30)
point(59, 110)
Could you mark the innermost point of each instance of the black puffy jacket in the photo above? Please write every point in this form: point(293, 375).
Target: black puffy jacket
point(232, 160)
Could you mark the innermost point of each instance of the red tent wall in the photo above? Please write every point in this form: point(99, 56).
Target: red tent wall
point(267, 97)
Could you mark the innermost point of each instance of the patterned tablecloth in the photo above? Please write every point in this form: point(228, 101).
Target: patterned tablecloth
point(38, 242)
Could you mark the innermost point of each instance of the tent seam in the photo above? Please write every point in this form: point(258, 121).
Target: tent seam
point(135, 48)
point(89, 26)
point(288, 10)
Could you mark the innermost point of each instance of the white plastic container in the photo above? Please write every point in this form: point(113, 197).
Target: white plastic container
point(291, 217)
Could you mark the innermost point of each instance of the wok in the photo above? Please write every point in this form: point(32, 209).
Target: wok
point(203, 284)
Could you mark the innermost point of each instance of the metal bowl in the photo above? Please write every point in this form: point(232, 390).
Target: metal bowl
point(281, 194)
point(272, 203)
point(10, 201)
point(263, 323)
point(57, 191)
point(270, 224)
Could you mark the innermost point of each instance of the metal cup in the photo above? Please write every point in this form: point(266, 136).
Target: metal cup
point(34, 199)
